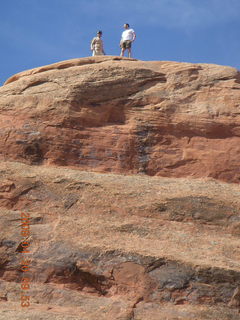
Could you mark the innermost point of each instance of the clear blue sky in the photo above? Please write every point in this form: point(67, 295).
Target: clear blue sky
point(39, 32)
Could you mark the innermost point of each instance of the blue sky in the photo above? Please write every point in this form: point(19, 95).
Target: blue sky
point(39, 32)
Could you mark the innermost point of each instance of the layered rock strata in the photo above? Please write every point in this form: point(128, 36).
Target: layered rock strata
point(97, 160)
point(109, 114)
point(107, 246)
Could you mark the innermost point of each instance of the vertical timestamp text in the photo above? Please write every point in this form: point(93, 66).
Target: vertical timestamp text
point(25, 252)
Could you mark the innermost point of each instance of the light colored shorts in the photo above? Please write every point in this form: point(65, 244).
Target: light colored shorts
point(97, 53)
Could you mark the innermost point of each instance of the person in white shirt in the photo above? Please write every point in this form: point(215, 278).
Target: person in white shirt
point(128, 36)
point(97, 45)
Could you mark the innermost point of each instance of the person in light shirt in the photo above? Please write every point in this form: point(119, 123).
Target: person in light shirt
point(128, 36)
point(97, 45)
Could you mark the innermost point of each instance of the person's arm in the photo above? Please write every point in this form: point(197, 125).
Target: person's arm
point(134, 36)
point(121, 41)
point(103, 49)
point(92, 43)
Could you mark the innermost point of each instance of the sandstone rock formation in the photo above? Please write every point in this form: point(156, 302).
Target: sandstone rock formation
point(118, 115)
point(107, 246)
point(142, 240)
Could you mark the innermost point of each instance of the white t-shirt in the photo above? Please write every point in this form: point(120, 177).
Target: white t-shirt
point(127, 34)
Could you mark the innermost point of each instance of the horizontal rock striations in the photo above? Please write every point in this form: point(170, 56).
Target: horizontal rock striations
point(107, 246)
point(97, 157)
point(111, 114)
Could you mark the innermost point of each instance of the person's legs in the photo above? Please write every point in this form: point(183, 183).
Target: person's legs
point(128, 47)
point(122, 52)
point(97, 53)
point(123, 48)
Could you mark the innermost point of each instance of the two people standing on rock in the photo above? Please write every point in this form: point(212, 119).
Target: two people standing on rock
point(128, 36)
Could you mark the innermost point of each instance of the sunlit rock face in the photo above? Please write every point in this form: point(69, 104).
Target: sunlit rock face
point(111, 114)
point(108, 186)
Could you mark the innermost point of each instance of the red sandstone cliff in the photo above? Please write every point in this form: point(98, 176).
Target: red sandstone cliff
point(118, 115)
point(113, 246)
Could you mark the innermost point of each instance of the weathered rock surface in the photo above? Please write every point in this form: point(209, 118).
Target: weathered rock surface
point(109, 114)
point(107, 246)
point(142, 240)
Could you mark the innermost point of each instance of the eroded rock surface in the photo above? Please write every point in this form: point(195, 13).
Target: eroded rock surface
point(107, 246)
point(125, 116)
point(142, 240)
